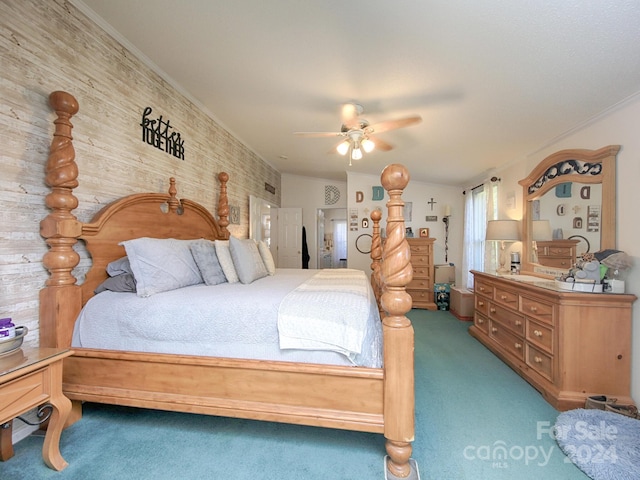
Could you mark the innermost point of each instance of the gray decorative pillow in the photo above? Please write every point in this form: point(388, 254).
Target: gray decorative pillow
point(118, 267)
point(267, 257)
point(118, 283)
point(226, 262)
point(161, 264)
point(247, 259)
point(204, 253)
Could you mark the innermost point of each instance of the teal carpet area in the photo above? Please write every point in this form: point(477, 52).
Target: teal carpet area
point(475, 419)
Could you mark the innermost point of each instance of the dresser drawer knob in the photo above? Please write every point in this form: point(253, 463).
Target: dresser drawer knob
point(481, 289)
point(537, 333)
point(537, 359)
point(503, 297)
point(518, 323)
point(518, 346)
point(480, 320)
point(492, 310)
point(533, 308)
point(494, 329)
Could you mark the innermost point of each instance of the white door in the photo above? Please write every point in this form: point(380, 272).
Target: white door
point(290, 237)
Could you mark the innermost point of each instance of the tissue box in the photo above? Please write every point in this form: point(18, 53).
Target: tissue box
point(462, 303)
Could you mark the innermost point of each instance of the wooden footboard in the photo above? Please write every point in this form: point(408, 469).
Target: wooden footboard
point(352, 398)
point(349, 398)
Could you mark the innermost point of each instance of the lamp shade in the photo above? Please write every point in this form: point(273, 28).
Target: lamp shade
point(503, 230)
point(343, 147)
point(541, 231)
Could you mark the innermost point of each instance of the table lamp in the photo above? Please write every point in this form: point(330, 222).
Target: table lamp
point(503, 231)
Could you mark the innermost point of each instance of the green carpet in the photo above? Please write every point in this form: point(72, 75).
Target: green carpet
point(475, 419)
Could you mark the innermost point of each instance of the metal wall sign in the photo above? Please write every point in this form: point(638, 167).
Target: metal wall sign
point(156, 133)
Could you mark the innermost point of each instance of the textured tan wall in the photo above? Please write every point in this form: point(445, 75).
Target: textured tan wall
point(50, 45)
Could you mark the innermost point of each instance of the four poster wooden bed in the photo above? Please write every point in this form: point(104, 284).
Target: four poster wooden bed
point(378, 400)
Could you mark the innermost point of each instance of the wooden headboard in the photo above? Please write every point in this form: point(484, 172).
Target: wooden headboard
point(157, 215)
point(153, 215)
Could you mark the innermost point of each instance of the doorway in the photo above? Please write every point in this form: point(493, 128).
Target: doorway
point(332, 238)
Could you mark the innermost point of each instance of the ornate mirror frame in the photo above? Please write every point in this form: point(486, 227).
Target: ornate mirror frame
point(576, 165)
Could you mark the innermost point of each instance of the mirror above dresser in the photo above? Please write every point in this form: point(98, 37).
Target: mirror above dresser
point(569, 208)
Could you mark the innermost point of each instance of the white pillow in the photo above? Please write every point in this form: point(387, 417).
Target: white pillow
point(226, 262)
point(247, 259)
point(267, 257)
point(161, 264)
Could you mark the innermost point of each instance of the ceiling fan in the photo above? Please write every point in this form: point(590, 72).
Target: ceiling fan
point(358, 132)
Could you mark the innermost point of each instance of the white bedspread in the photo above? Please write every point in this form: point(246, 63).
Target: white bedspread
point(226, 320)
point(327, 312)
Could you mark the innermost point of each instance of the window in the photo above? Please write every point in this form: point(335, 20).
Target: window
point(480, 207)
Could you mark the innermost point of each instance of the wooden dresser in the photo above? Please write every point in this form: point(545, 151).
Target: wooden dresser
point(567, 345)
point(421, 287)
point(557, 253)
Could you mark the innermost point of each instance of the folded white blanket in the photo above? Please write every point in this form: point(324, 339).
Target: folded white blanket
point(329, 311)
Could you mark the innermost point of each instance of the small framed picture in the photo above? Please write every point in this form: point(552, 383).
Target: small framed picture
point(234, 215)
point(424, 232)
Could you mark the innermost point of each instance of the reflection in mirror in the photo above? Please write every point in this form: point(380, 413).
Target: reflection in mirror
point(568, 208)
point(572, 210)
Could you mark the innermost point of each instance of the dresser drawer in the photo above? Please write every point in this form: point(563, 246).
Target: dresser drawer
point(507, 339)
point(420, 284)
point(506, 297)
point(421, 272)
point(483, 288)
point(513, 321)
point(481, 322)
point(420, 260)
point(421, 296)
point(18, 396)
point(536, 309)
point(556, 262)
point(560, 252)
point(540, 335)
point(482, 305)
point(420, 248)
point(540, 361)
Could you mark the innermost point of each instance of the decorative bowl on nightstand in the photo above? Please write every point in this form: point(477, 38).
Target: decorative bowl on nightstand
point(12, 344)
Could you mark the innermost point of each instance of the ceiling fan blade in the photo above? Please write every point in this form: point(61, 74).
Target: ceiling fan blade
point(381, 144)
point(319, 134)
point(393, 124)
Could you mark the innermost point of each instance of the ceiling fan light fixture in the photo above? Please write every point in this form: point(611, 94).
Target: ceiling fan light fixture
point(368, 145)
point(343, 147)
point(356, 153)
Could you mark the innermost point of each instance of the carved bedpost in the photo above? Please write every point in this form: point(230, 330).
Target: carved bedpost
point(376, 257)
point(61, 299)
point(173, 202)
point(396, 272)
point(223, 204)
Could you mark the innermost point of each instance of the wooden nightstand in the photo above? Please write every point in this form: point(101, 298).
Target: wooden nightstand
point(31, 377)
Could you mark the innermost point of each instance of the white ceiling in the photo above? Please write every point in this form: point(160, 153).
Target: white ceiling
point(494, 80)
